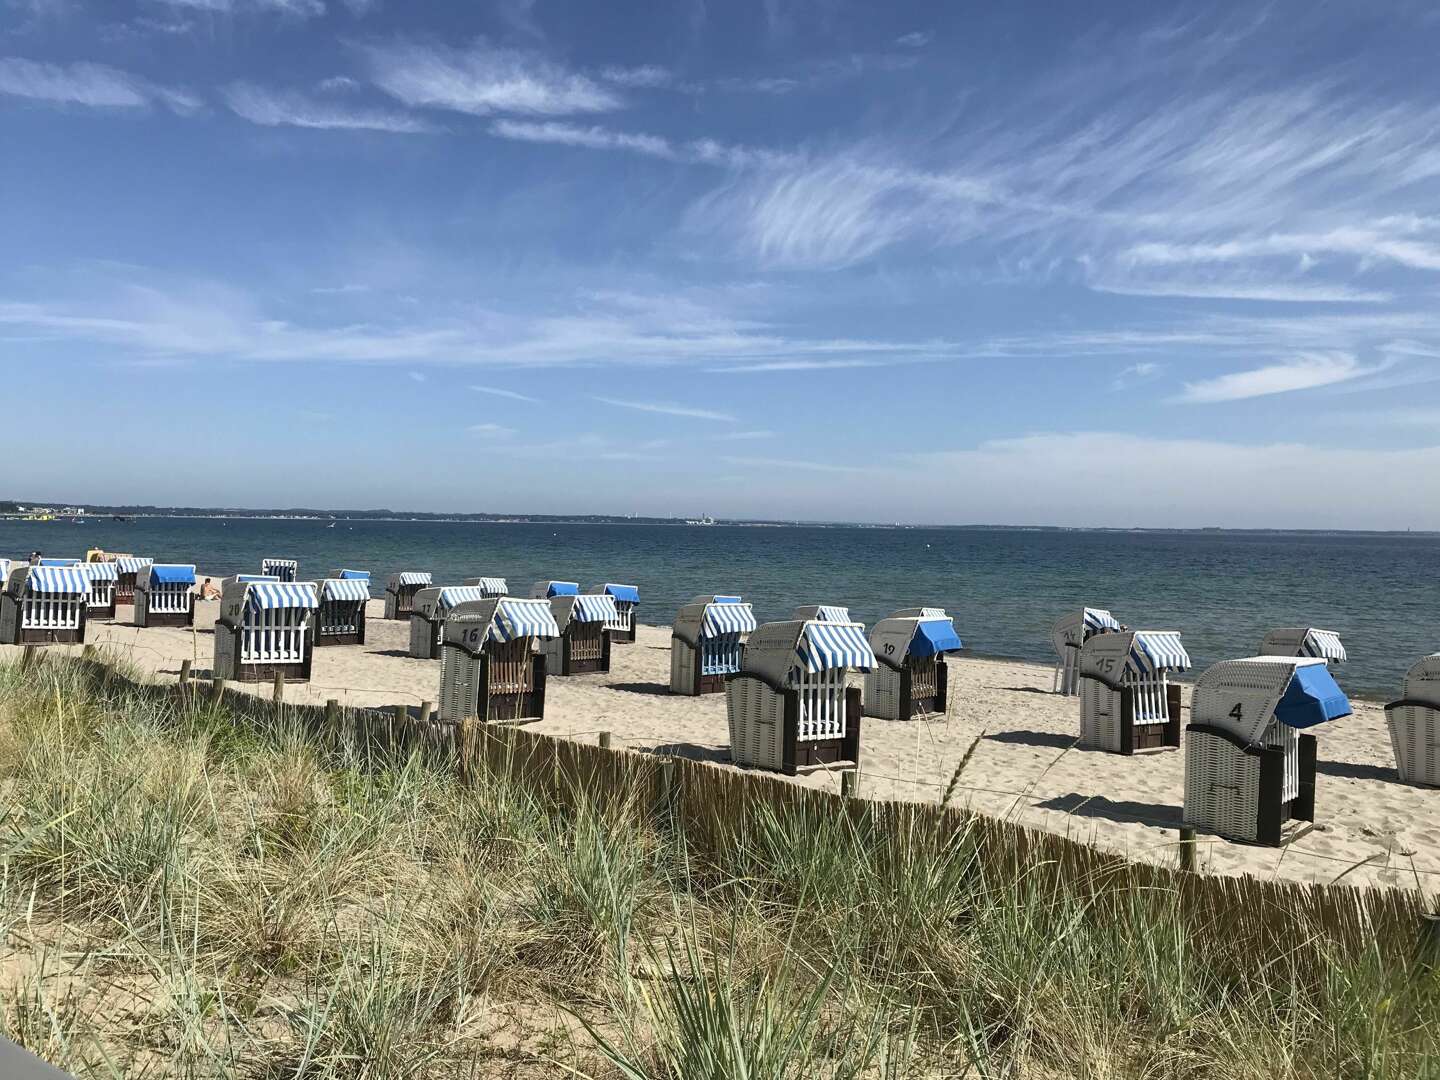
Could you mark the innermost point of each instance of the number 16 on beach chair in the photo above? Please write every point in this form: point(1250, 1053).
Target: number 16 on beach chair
point(44, 605)
point(1248, 769)
point(707, 643)
point(1069, 636)
point(1127, 702)
point(789, 707)
point(1414, 723)
point(489, 666)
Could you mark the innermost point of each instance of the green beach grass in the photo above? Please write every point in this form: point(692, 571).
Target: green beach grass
point(186, 891)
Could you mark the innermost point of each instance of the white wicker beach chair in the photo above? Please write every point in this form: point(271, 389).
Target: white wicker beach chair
point(823, 613)
point(707, 643)
point(493, 586)
point(1304, 641)
point(44, 605)
point(429, 610)
point(489, 666)
point(789, 706)
point(400, 592)
point(1248, 768)
point(1127, 702)
point(1069, 635)
point(264, 629)
point(1414, 723)
point(910, 677)
point(583, 644)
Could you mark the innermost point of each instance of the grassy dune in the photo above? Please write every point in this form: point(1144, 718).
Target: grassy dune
point(185, 891)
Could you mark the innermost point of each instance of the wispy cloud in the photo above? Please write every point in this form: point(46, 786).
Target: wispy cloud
point(916, 39)
point(1279, 291)
point(647, 76)
point(282, 108)
point(417, 376)
point(304, 9)
point(799, 365)
point(744, 436)
point(91, 85)
point(496, 391)
point(668, 409)
point(797, 464)
point(490, 431)
point(595, 137)
point(484, 79)
point(1138, 372)
point(1302, 373)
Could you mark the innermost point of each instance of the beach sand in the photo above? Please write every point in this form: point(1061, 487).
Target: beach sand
point(1025, 767)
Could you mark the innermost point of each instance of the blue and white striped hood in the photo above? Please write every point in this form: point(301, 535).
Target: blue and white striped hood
point(1100, 619)
point(58, 580)
point(1158, 650)
point(1324, 644)
point(102, 571)
point(272, 595)
point(132, 564)
point(516, 618)
point(451, 595)
point(824, 646)
point(410, 577)
point(493, 586)
point(594, 607)
point(727, 617)
point(345, 589)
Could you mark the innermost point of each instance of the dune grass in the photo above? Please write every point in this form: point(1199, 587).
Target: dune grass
point(185, 892)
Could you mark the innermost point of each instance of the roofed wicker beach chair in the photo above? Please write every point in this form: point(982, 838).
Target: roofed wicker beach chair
point(489, 665)
point(910, 677)
point(1127, 701)
point(493, 586)
point(165, 595)
point(583, 644)
point(100, 603)
point(340, 618)
point(127, 567)
point(282, 569)
point(349, 575)
point(400, 592)
point(1069, 635)
point(789, 706)
point(44, 605)
point(264, 630)
point(430, 608)
point(1414, 723)
point(1304, 641)
point(707, 643)
point(627, 602)
point(544, 590)
point(1248, 769)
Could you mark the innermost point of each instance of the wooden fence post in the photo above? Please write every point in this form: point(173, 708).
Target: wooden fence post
point(849, 783)
point(332, 721)
point(88, 652)
point(1187, 848)
point(426, 709)
point(604, 740)
point(217, 690)
point(28, 657)
point(184, 673)
point(279, 692)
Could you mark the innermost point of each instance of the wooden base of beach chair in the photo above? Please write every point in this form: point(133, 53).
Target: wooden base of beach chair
point(356, 638)
point(50, 637)
point(597, 660)
point(106, 612)
point(165, 618)
point(1107, 719)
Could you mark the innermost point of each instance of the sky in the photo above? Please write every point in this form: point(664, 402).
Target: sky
point(1126, 264)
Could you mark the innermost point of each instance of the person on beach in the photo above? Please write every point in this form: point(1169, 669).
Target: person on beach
point(209, 591)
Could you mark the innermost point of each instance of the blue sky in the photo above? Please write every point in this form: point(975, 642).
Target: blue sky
point(1120, 264)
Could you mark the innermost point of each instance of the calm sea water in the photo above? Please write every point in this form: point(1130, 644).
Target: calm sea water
point(1005, 588)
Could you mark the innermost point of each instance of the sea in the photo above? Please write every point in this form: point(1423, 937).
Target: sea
point(1004, 587)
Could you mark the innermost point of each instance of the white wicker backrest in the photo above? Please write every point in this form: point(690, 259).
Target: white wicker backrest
point(1107, 655)
point(1069, 630)
point(1240, 695)
point(426, 603)
point(1422, 682)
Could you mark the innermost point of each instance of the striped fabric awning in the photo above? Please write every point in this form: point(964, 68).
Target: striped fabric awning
point(832, 613)
point(727, 617)
point(354, 575)
point(269, 595)
point(594, 607)
point(629, 594)
point(1324, 644)
point(132, 564)
point(493, 586)
point(1100, 619)
point(58, 580)
point(459, 594)
point(413, 577)
point(825, 646)
point(516, 618)
point(1159, 650)
point(267, 564)
point(345, 589)
point(102, 571)
point(932, 613)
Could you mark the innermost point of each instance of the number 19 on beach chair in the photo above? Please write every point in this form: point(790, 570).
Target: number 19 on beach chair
point(910, 677)
point(1248, 768)
point(1127, 702)
point(707, 643)
point(789, 706)
point(1414, 723)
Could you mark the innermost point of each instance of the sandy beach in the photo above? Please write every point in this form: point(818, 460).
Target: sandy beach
point(1370, 827)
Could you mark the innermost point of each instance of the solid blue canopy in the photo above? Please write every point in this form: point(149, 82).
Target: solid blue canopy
point(629, 593)
point(59, 562)
point(172, 574)
point(1312, 697)
point(934, 636)
point(563, 588)
point(354, 575)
